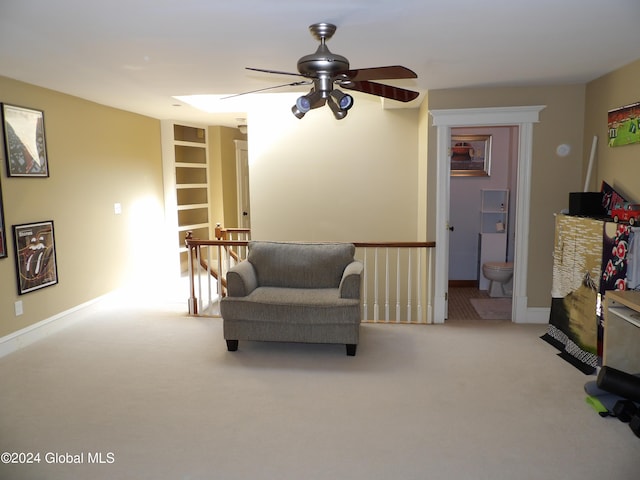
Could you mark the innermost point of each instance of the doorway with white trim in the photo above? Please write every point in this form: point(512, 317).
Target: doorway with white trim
point(444, 120)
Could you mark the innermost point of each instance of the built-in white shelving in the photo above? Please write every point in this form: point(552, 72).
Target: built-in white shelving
point(186, 178)
point(494, 217)
point(494, 211)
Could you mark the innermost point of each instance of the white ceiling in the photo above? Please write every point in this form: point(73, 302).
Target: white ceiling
point(138, 54)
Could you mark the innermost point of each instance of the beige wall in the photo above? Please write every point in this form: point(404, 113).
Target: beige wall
point(366, 179)
point(426, 184)
point(618, 166)
point(321, 179)
point(552, 177)
point(98, 156)
point(369, 177)
point(222, 156)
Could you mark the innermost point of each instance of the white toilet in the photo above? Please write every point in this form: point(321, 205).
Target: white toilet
point(500, 276)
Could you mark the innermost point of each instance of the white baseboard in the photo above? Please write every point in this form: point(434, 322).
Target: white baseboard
point(28, 335)
point(537, 315)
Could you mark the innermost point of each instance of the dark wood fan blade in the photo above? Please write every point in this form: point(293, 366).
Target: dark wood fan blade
point(277, 72)
point(387, 91)
point(293, 84)
point(380, 73)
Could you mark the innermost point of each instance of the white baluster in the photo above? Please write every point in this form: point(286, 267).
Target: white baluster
point(365, 310)
point(199, 267)
point(376, 315)
point(398, 314)
point(409, 284)
point(429, 277)
point(386, 286)
point(209, 276)
point(220, 273)
point(419, 290)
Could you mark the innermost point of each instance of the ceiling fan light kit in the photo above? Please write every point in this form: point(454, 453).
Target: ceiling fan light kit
point(326, 69)
point(339, 102)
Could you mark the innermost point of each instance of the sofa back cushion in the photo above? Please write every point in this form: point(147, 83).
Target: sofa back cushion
point(300, 265)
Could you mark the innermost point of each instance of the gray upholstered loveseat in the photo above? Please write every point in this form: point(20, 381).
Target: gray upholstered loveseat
point(294, 292)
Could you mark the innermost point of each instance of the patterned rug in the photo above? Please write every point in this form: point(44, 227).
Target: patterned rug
point(492, 308)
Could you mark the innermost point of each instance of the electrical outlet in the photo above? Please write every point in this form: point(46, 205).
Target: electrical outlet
point(117, 208)
point(18, 308)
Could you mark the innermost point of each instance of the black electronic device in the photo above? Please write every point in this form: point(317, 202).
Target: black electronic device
point(586, 204)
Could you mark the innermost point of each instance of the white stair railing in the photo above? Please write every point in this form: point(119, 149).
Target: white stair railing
point(395, 274)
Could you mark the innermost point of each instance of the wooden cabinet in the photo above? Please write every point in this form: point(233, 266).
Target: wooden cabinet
point(621, 349)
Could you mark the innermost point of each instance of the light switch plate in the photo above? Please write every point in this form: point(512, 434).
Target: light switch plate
point(18, 308)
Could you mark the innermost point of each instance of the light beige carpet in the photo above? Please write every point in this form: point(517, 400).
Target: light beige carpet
point(158, 395)
point(492, 308)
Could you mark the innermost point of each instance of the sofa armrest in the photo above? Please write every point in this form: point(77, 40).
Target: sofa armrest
point(241, 279)
point(351, 280)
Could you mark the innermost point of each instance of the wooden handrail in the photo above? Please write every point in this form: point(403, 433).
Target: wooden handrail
point(222, 233)
point(196, 242)
point(395, 244)
point(193, 242)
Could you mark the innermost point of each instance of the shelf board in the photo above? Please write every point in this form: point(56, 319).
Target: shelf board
point(184, 143)
point(628, 314)
point(191, 165)
point(193, 206)
point(185, 186)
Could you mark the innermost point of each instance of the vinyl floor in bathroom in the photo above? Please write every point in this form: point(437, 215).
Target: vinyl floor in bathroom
point(460, 307)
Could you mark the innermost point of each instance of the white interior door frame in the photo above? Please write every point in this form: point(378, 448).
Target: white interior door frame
point(242, 186)
point(523, 117)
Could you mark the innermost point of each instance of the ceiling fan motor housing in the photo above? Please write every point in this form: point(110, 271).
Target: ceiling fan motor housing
point(322, 62)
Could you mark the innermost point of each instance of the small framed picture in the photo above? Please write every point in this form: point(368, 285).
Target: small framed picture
point(624, 125)
point(3, 236)
point(35, 256)
point(470, 155)
point(24, 141)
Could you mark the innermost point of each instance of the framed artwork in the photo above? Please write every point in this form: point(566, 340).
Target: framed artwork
point(35, 256)
point(470, 155)
point(3, 237)
point(624, 125)
point(24, 141)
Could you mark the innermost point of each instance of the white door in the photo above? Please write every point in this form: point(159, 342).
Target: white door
point(242, 179)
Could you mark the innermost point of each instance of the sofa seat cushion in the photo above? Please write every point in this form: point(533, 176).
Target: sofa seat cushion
point(293, 306)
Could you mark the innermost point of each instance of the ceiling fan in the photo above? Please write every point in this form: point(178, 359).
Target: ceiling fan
point(325, 69)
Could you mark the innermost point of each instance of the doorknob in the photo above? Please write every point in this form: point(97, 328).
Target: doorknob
point(244, 214)
point(451, 227)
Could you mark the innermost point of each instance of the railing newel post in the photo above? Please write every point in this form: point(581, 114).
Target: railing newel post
point(193, 301)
